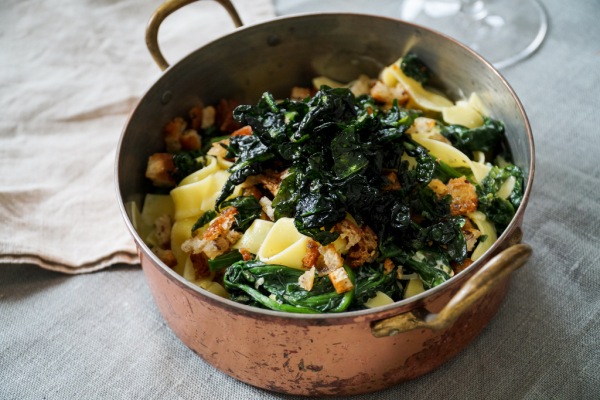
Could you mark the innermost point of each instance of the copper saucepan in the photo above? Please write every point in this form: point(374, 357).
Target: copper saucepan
point(348, 353)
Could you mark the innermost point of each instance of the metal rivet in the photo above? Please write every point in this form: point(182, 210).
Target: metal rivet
point(166, 97)
point(393, 332)
point(273, 40)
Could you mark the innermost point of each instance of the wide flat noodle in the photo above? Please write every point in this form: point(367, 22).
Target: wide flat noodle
point(180, 232)
point(211, 167)
point(284, 245)
point(477, 104)
point(462, 114)
point(157, 205)
point(454, 157)
point(254, 236)
point(422, 97)
point(487, 228)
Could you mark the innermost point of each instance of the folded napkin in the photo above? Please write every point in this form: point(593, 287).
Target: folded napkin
point(69, 77)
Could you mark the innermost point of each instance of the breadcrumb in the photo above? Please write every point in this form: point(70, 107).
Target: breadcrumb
point(299, 93)
point(332, 260)
point(312, 254)
point(456, 267)
point(267, 207)
point(341, 280)
point(363, 251)
point(163, 231)
point(166, 256)
point(208, 117)
point(160, 167)
point(349, 231)
point(217, 150)
point(245, 131)
point(217, 239)
point(172, 132)
point(385, 94)
point(394, 184)
point(190, 140)
point(252, 191)
point(471, 234)
point(196, 116)
point(464, 196)
point(361, 86)
point(224, 116)
point(438, 187)
point(200, 263)
point(307, 279)
point(246, 254)
point(388, 266)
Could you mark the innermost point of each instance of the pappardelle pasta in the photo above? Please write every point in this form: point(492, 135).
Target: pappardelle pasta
point(342, 197)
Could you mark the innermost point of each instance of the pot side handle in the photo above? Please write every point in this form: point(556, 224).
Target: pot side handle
point(497, 269)
point(166, 9)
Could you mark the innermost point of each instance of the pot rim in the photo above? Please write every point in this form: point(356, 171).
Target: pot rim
point(142, 247)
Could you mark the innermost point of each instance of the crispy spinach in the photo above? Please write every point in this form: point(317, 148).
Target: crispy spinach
point(248, 209)
point(204, 219)
point(225, 260)
point(497, 209)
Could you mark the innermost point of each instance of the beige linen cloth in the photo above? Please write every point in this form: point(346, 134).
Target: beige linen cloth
point(70, 73)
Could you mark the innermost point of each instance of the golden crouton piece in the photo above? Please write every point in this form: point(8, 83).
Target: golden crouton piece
point(196, 116)
point(160, 167)
point(312, 254)
point(394, 185)
point(388, 266)
point(208, 117)
point(166, 256)
point(163, 231)
point(217, 150)
point(190, 140)
point(349, 231)
point(464, 196)
point(307, 279)
point(341, 280)
point(172, 132)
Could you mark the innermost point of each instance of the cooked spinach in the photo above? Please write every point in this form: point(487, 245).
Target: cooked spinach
point(499, 210)
point(483, 138)
point(186, 163)
point(248, 209)
point(276, 287)
point(225, 260)
point(414, 68)
point(204, 219)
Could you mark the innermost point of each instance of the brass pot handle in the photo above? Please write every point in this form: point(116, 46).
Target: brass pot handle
point(482, 282)
point(166, 9)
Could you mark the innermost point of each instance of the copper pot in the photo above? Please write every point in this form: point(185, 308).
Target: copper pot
point(347, 353)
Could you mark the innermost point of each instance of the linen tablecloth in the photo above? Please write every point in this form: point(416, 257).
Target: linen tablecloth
point(101, 336)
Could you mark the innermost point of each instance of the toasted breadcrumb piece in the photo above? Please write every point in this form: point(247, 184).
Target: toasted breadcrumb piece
point(208, 117)
point(330, 261)
point(267, 207)
point(245, 131)
point(349, 231)
point(163, 231)
point(341, 280)
point(416, 218)
point(217, 239)
point(363, 251)
point(421, 125)
point(438, 187)
point(196, 116)
point(312, 254)
point(464, 196)
point(160, 167)
point(299, 93)
point(190, 140)
point(456, 267)
point(272, 179)
point(224, 116)
point(166, 256)
point(385, 94)
point(361, 86)
point(399, 272)
point(251, 181)
point(388, 266)
point(200, 263)
point(471, 234)
point(172, 132)
point(246, 254)
point(252, 191)
point(217, 150)
point(394, 183)
point(307, 279)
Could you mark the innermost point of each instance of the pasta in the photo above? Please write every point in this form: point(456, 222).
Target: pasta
point(342, 197)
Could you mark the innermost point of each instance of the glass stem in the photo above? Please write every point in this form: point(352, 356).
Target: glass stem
point(473, 9)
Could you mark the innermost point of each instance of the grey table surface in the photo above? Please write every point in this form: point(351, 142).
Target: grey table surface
point(101, 336)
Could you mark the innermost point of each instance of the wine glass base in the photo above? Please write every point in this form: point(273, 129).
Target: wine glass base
point(502, 31)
